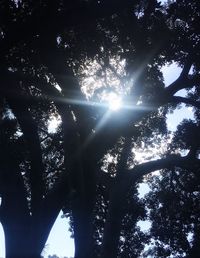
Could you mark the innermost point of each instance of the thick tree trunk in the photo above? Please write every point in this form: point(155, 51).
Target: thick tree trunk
point(112, 226)
point(21, 231)
point(74, 140)
point(82, 234)
point(116, 206)
point(23, 236)
point(114, 218)
point(14, 209)
point(18, 242)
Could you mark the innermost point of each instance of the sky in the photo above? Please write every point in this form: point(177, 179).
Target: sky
point(59, 241)
point(170, 74)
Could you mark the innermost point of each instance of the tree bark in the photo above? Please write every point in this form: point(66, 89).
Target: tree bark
point(114, 218)
point(15, 216)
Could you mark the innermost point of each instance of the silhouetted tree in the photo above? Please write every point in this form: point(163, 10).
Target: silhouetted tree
point(60, 60)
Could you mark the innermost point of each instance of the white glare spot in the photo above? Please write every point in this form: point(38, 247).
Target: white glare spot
point(144, 225)
point(114, 101)
point(53, 124)
point(58, 87)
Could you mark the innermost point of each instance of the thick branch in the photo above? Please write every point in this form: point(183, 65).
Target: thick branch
point(119, 193)
point(177, 85)
point(177, 100)
point(51, 206)
point(186, 68)
point(171, 161)
point(194, 80)
point(182, 81)
point(29, 129)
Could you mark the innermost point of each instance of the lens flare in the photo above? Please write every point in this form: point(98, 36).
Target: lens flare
point(114, 101)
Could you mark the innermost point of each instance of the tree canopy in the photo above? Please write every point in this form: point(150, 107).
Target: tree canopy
point(64, 147)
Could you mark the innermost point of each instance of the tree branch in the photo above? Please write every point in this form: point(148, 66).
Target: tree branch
point(177, 85)
point(194, 80)
point(121, 189)
point(177, 100)
point(182, 83)
point(171, 161)
point(30, 131)
point(51, 206)
point(186, 68)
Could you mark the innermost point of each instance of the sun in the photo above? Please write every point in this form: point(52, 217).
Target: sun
point(114, 101)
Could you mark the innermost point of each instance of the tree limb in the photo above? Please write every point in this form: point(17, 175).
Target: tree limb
point(171, 161)
point(182, 83)
point(121, 189)
point(186, 68)
point(177, 100)
point(30, 131)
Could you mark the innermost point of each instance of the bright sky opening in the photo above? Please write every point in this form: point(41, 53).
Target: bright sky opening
point(114, 101)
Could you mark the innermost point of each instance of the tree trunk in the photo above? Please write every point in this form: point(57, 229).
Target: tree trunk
point(82, 217)
point(81, 236)
point(15, 216)
point(116, 203)
point(18, 242)
point(114, 218)
point(25, 238)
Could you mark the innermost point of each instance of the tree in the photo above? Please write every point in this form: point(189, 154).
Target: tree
point(62, 61)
